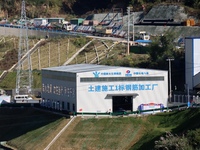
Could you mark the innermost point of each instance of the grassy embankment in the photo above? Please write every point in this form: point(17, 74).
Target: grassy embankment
point(36, 129)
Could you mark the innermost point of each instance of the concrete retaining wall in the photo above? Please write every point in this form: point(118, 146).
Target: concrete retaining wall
point(7, 31)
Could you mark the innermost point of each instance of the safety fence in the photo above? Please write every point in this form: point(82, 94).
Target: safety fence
point(185, 98)
point(124, 113)
point(149, 111)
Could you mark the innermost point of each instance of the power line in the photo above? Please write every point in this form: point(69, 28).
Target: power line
point(24, 77)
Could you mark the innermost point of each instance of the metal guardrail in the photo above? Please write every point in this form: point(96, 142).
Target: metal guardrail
point(149, 111)
point(71, 33)
point(138, 112)
point(77, 30)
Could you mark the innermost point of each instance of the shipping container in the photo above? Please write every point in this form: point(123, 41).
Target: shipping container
point(192, 22)
point(77, 21)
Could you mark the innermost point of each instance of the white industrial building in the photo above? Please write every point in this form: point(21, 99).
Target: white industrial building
point(89, 88)
point(192, 62)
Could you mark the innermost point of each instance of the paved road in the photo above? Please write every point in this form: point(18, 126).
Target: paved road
point(179, 31)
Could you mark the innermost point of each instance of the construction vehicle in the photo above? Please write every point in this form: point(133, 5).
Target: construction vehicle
point(65, 26)
point(102, 31)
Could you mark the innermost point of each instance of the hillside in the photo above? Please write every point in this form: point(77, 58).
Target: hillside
point(37, 128)
point(55, 8)
point(56, 52)
point(81, 8)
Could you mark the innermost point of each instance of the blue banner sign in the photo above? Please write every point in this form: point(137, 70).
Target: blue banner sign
point(121, 87)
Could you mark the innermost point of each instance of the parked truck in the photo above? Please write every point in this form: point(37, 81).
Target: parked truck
point(102, 31)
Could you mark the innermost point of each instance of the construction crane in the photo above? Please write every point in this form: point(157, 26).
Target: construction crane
point(24, 75)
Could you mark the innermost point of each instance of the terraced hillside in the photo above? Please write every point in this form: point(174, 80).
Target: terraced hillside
point(54, 52)
point(8, 51)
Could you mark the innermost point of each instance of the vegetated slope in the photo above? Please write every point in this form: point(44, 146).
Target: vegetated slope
point(103, 133)
point(9, 82)
point(127, 132)
point(79, 8)
point(9, 51)
point(177, 122)
point(111, 133)
point(51, 52)
point(28, 125)
point(55, 8)
point(55, 52)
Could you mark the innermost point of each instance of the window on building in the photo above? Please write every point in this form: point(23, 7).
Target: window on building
point(73, 107)
point(63, 105)
point(113, 79)
point(68, 106)
point(58, 77)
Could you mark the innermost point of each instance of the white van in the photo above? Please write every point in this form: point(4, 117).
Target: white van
point(144, 36)
point(22, 97)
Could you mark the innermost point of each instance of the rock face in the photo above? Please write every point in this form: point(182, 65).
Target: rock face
point(175, 12)
point(179, 31)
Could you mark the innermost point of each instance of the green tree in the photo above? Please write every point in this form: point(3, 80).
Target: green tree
point(80, 41)
point(7, 6)
point(172, 142)
point(161, 49)
point(192, 3)
point(194, 138)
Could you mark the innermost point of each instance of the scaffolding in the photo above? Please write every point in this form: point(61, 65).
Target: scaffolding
point(115, 16)
point(24, 76)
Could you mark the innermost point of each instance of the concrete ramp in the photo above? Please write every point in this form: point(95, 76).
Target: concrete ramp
point(74, 56)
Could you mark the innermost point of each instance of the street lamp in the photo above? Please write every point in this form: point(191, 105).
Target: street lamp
point(133, 29)
point(170, 82)
point(188, 95)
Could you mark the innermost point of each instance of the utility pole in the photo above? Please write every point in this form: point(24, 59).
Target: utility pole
point(24, 75)
point(133, 29)
point(170, 84)
point(128, 11)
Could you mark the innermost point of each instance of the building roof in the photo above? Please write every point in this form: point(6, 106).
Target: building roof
point(77, 19)
point(55, 18)
point(197, 37)
point(40, 19)
point(78, 68)
point(143, 41)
